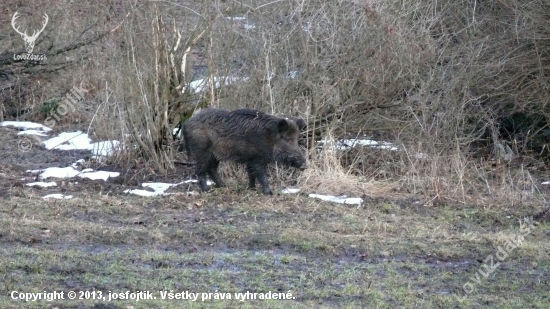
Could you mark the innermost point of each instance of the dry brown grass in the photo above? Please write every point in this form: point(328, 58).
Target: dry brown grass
point(326, 175)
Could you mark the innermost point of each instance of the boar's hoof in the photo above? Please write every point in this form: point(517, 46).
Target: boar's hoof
point(267, 191)
point(202, 184)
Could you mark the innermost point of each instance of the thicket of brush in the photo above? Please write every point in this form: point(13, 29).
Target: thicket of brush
point(454, 83)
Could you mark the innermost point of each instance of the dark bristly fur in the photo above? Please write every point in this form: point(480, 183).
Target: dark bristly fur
point(246, 136)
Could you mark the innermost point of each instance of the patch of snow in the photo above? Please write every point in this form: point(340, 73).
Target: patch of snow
point(546, 183)
point(58, 196)
point(69, 141)
point(421, 155)
point(59, 172)
point(175, 131)
point(97, 175)
point(202, 84)
point(292, 74)
point(105, 148)
point(159, 187)
point(344, 144)
point(25, 125)
point(339, 199)
point(42, 184)
point(246, 24)
point(75, 165)
point(81, 141)
point(290, 191)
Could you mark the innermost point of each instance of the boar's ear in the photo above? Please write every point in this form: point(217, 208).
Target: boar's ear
point(301, 123)
point(282, 125)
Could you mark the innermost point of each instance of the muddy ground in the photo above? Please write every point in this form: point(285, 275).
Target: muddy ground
point(387, 253)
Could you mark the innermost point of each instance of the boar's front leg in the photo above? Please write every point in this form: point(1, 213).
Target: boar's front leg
point(257, 170)
point(262, 178)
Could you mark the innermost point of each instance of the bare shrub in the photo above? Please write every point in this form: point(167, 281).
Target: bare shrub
point(145, 92)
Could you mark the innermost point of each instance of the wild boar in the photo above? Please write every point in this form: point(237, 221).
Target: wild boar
point(245, 136)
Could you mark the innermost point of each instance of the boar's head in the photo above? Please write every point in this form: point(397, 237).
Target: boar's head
point(286, 149)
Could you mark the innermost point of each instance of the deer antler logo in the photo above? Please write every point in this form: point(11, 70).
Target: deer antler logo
point(29, 40)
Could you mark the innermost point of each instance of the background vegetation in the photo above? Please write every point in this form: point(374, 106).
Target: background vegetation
point(461, 86)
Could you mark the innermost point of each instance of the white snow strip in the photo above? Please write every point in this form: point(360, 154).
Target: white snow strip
point(32, 132)
point(339, 199)
point(248, 26)
point(202, 84)
point(208, 182)
point(57, 196)
point(25, 125)
point(546, 183)
point(70, 172)
point(98, 175)
point(347, 143)
point(42, 184)
point(144, 193)
point(290, 191)
point(236, 17)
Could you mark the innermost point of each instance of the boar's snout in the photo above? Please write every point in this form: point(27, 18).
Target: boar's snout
point(298, 162)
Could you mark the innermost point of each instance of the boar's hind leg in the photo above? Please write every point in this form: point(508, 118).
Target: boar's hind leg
point(257, 170)
point(208, 165)
point(251, 175)
point(201, 175)
point(213, 172)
